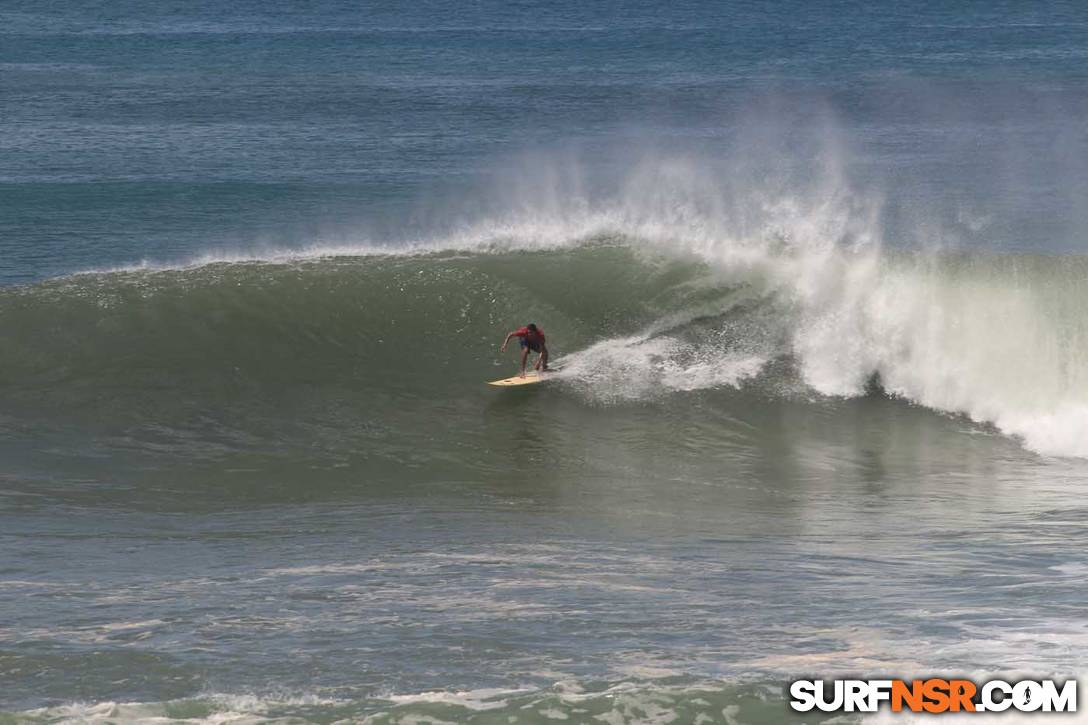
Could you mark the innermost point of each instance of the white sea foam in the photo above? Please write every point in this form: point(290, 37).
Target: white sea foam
point(620, 702)
point(225, 708)
point(642, 367)
point(482, 699)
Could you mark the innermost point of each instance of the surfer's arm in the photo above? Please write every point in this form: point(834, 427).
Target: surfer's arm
point(506, 341)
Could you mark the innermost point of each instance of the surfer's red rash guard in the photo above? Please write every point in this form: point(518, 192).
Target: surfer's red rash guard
point(525, 332)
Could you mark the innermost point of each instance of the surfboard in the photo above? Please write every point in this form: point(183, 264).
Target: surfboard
point(529, 379)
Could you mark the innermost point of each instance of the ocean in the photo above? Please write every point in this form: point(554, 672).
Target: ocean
point(813, 274)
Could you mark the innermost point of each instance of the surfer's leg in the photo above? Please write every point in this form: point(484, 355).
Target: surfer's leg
point(524, 357)
point(542, 361)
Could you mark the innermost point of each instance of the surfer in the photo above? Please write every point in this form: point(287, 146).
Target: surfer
point(530, 337)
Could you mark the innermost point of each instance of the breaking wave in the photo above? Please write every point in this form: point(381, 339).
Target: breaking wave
point(668, 292)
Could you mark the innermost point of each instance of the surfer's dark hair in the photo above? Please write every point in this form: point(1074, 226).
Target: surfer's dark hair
point(532, 326)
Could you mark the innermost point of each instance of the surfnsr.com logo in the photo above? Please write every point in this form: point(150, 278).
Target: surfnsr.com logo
point(933, 695)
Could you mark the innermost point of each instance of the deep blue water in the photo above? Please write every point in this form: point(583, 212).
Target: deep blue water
point(155, 131)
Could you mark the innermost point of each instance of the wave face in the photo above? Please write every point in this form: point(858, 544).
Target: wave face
point(637, 306)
